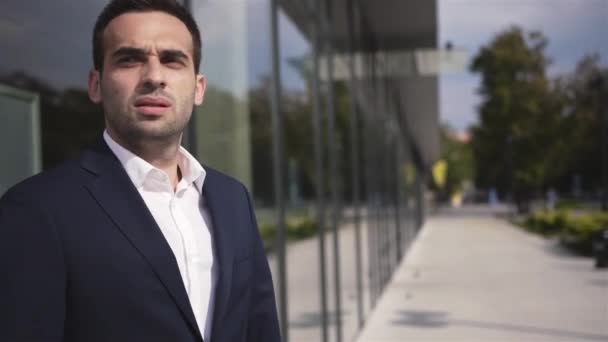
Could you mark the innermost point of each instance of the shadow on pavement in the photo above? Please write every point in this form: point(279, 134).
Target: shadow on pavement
point(599, 282)
point(554, 247)
point(313, 319)
point(423, 319)
point(439, 319)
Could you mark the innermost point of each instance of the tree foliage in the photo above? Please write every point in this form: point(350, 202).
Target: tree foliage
point(458, 156)
point(583, 93)
point(513, 144)
point(533, 132)
point(296, 106)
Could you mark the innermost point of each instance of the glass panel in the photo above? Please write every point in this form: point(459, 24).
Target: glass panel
point(19, 136)
point(45, 54)
point(223, 127)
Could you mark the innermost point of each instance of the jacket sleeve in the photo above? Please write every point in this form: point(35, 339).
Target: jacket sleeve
point(32, 274)
point(263, 325)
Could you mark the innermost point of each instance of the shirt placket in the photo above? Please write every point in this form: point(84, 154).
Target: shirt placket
point(191, 252)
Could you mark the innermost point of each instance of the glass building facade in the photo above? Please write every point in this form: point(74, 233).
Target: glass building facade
point(319, 107)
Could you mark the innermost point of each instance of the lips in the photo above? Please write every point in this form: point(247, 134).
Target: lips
point(152, 105)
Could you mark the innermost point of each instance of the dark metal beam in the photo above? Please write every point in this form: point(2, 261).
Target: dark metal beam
point(355, 167)
point(278, 168)
point(333, 169)
point(189, 138)
point(319, 167)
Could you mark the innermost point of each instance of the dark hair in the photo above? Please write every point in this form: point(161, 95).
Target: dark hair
point(118, 7)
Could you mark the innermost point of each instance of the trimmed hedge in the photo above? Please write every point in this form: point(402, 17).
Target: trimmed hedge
point(579, 232)
point(546, 222)
point(569, 204)
point(574, 231)
point(298, 227)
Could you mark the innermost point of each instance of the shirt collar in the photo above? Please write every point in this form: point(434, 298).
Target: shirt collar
point(192, 170)
point(138, 169)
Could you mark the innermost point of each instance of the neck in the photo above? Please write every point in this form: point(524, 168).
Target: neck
point(160, 153)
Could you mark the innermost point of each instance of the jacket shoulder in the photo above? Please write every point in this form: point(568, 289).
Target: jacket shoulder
point(215, 176)
point(47, 184)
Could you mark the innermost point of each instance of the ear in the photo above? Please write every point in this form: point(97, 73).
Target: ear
point(199, 90)
point(95, 86)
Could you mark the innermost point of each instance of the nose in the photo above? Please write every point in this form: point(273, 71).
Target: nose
point(153, 76)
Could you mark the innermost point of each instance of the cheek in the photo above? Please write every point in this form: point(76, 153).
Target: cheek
point(187, 91)
point(116, 90)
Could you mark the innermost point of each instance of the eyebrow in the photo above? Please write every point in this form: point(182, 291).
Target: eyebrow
point(129, 51)
point(138, 52)
point(173, 54)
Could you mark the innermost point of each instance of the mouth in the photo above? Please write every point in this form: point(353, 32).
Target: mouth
point(152, 106)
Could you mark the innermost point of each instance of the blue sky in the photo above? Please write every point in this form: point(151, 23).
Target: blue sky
point(236, 39)
point(574, 28)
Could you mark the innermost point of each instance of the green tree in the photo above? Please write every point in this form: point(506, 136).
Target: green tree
point(514, 145)
point(582, 122)
point(298, 143)
point(457, 153)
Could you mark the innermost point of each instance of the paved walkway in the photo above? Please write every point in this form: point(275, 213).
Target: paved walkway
point(473, 277)
point(303, 286)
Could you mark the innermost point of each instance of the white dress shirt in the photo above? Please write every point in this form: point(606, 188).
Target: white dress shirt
point(184, 221)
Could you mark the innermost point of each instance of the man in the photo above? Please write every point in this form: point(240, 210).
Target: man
point(135, 240)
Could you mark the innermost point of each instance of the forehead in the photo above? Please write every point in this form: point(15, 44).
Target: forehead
point(149, 30)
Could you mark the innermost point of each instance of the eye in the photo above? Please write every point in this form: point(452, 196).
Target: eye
point(173, 62)
point(127, 60)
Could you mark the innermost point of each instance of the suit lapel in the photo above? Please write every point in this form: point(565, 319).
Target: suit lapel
point(117, 195)
point(219, 205)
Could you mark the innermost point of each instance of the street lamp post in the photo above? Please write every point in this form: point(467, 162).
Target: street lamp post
point(600, 85)
point(603, 107)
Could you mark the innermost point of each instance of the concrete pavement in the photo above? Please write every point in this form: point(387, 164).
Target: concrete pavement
point(303, 286)
point(470, 276)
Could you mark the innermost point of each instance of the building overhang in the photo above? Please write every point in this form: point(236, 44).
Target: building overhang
point(390, 24)
point(401, 35)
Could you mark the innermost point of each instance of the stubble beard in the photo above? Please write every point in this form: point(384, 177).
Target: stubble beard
point(137, 133)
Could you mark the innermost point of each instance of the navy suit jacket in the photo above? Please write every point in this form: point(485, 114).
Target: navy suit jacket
point(82, 260)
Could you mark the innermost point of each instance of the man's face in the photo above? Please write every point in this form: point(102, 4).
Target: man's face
point(148, 85)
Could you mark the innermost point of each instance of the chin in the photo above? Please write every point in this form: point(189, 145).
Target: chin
point(156, 133)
